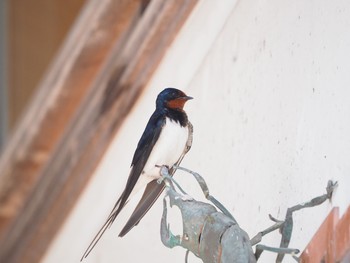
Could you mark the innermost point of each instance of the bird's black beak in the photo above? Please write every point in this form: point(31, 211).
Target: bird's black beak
point(187, 98)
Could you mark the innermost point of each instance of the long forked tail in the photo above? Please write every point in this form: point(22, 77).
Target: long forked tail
point(116, 210)
point(150, 195)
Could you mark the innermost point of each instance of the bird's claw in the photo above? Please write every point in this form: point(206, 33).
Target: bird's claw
point(165, 177)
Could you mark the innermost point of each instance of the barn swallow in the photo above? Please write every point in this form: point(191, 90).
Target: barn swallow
point(165, 141)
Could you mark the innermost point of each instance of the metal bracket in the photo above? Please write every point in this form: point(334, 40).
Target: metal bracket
point(216, 236)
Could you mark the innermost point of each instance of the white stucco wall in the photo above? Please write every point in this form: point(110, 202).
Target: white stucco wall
point(271, 118)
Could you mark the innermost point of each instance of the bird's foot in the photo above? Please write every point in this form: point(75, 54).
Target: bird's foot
point(165, 176)
point(168, 180)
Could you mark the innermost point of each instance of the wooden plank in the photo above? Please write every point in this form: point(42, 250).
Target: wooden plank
point(331, 243)
point(342, 242)
point(55, 103)
point(106, 62)
point(36, 29)
point(322, 246)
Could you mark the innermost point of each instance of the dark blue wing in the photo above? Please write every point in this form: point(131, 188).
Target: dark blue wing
point(152, 192)
point(143, 151)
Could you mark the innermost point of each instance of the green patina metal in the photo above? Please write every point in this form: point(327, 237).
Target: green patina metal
point(215, 236)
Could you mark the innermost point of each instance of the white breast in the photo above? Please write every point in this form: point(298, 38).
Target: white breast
point(168, 149)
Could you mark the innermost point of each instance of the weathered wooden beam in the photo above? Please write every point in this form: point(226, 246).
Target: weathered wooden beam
point(322, 246)
point(105, 63)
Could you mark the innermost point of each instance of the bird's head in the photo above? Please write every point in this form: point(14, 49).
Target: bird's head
point(172, 99)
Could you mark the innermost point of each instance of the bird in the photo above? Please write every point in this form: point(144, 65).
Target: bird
point(164, 142)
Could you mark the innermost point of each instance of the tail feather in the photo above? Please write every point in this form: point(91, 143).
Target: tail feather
point(112, 216)
point(150, 195)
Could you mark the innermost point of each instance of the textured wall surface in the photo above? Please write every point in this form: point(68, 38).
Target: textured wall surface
point(271, 117)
